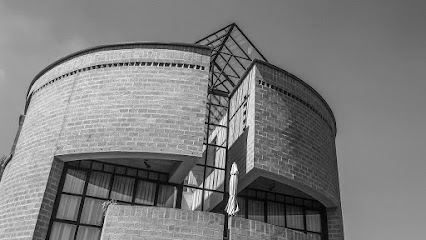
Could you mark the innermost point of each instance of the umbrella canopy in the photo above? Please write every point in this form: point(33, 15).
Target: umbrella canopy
point(232, 205)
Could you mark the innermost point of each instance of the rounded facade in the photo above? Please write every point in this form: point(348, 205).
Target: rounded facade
point(144, 98)
point(296, 134)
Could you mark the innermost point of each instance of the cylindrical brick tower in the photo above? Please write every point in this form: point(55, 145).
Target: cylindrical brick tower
point(283, 136)
point(139, 101)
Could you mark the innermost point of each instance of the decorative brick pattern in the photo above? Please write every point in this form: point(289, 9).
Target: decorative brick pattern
point(126, 108)
point(285, 92)
point(297, 89)
point(246, 229)
point(114, 56)
point(121, 64)
point(138, 222)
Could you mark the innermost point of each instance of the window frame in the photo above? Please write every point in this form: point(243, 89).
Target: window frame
point(76, 165)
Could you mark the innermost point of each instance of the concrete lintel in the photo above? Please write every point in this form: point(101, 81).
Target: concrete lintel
point(255, 173)
point(180, 170)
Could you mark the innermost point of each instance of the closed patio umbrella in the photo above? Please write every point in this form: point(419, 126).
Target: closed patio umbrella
point(232, 205)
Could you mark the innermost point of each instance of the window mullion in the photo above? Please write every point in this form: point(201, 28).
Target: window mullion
point(83, 197)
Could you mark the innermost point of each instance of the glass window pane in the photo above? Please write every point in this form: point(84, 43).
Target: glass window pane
point(261, 195)
point(191, 199)
point(68, 207)
point(298, 201)
point(62, 231)
point(131, 171)
point(73, 163)
point(142, 174)
point(236, 67)
point(308, 203)
point(316, 205)
point(92, 211)
point(242, 205)
point(245, 45)
point(122, 189)
point(167, 196)
point(256, 210)
point(216, 156)
point(120, 170)
point(98, 185)
point(97, 166)
point(212, 199)
point(108, 168)
point(195, 177)
point(88, 233)
point(271, 196)
point(214, 179)
point(85, 164)
point(163, 177)
point(251, 193)
point(74, 181)
point(145, 193)
point(313, 220)
point(295, 217)
point(153, 175)
point(276, 214)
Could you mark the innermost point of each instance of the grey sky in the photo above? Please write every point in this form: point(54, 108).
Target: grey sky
point(367, 59)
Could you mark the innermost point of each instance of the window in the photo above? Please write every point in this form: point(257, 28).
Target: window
point(86, 185)
point(306, 215)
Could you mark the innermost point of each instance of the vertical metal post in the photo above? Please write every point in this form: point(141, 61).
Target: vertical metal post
point(225, 187)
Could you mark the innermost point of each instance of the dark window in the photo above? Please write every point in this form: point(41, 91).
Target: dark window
point(306, 215)
point(86, 185)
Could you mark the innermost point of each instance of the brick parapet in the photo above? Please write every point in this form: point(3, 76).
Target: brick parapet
point(120, 53)
point(139, 222)
point(241, 228)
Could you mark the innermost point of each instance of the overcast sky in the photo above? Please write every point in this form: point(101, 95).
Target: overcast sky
point(366, 58)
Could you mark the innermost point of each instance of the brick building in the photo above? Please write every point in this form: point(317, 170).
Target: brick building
point(156, 127)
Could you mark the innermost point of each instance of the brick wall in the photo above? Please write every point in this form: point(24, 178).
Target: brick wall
point(25, 178)
point(86, 105)
point(335, 223)
point(127, 107)
point(295, 138)
point(291, 139)
point(138, 222)
point(241, 228)
point(287, 133)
